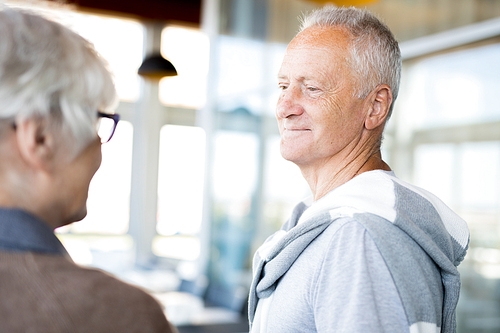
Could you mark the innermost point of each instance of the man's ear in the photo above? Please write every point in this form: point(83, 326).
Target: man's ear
point(380, 102)
point(36, 143)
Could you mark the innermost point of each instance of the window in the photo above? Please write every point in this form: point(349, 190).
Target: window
point(449, 102)
point(180, 192)
point(188, 51)
point(180, 180)
point(455, 88)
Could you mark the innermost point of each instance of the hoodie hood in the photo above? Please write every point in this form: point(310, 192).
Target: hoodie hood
point(409, 207)
point(379, 201)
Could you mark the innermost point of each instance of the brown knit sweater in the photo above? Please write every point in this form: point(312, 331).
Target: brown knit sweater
point(49, 293)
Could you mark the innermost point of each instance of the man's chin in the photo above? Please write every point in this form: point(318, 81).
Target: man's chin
point(292, 154)
point(77, 217)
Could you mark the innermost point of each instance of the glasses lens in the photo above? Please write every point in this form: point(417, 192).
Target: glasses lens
point(105, 127)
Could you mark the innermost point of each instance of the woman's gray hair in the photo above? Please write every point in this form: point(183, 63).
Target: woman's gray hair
point(375, 55)
point(49, 72)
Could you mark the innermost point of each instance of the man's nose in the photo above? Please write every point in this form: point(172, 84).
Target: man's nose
point(289, 103)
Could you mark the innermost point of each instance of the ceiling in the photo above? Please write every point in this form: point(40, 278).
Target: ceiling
point(408, 19)
point(185, 11)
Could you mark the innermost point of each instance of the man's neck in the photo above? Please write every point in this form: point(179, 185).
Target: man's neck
point(332, 173)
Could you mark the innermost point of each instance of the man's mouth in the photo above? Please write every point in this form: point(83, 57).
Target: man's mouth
point(293, 129)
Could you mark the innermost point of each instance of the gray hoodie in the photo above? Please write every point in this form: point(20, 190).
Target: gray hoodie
point(374, 255)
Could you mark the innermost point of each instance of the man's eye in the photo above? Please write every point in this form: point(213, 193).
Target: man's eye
point(283, 86)
point(312, 89)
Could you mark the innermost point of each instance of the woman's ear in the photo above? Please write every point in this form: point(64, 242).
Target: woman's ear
point(36, 143)
point(380, 103)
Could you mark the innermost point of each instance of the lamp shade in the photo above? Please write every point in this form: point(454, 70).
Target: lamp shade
point(156, 67)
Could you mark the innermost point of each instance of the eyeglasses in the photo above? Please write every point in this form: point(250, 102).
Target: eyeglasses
point(106, 125)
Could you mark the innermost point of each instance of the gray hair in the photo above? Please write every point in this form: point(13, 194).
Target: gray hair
point(49, 72)
point(375, 55)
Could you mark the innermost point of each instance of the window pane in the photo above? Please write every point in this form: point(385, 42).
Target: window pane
point(234, 183)
point(188, 50)
point(120, 42)
point(241, 80)
point(180, 180)
point(235, 168)
point(480, 176)
point(455, 88)
point(433, 170)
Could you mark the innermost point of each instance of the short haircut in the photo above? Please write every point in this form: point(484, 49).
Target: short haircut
point(375, 55)
point(49, 72)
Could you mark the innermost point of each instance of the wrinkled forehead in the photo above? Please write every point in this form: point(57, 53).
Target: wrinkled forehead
point(323, 49)
point(330, 38)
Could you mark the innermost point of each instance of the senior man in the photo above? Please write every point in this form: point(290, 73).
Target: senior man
point(52, 83)
point(368, 252)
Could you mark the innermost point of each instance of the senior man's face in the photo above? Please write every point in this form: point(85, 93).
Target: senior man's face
point(318, 115)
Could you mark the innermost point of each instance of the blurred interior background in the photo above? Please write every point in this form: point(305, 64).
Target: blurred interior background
point(193, 182)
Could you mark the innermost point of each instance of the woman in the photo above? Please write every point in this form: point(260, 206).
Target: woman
point(52, 84)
